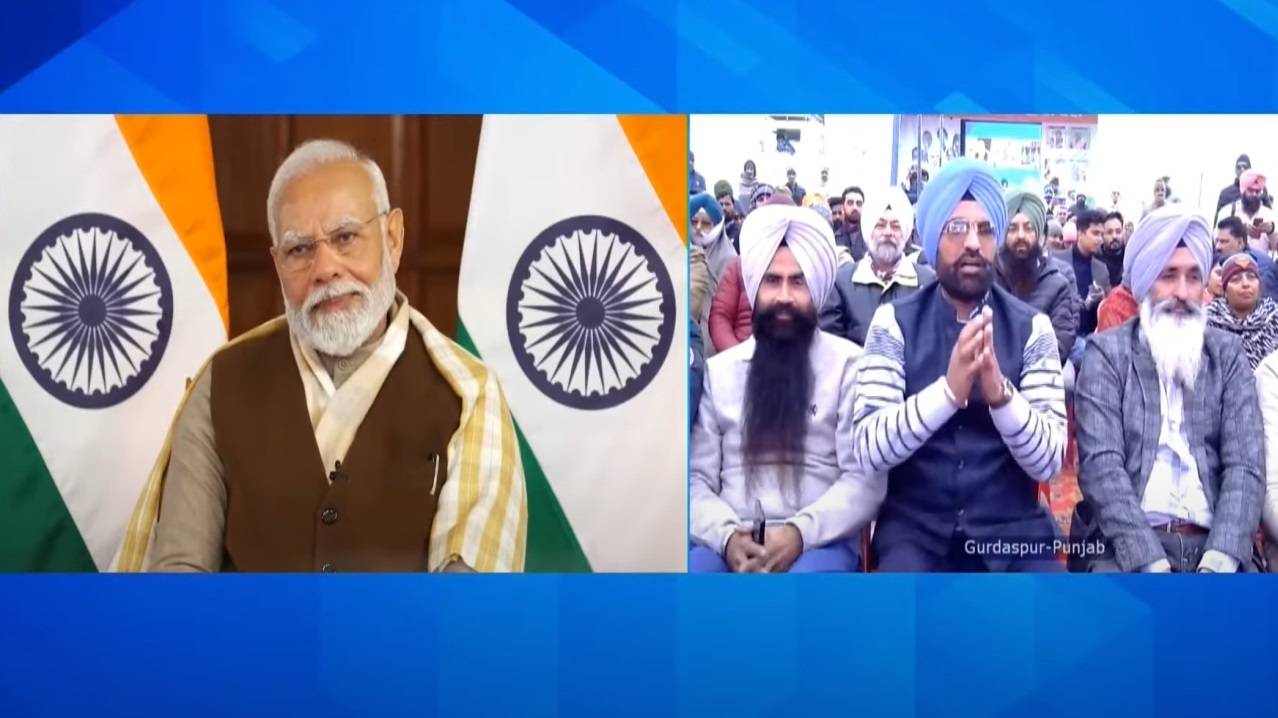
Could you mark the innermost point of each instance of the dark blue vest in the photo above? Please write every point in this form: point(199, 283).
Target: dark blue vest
point(964, 476)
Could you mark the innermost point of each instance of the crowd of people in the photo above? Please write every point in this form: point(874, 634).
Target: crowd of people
point(887, 379)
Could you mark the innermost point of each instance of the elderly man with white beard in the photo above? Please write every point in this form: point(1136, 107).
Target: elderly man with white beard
point(884, 275)
point(347, 435)
point(1171, 472)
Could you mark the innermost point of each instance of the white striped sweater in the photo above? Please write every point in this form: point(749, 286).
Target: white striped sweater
point(890, 427)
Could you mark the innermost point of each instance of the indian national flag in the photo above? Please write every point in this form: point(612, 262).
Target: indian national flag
point(113, 271)
point(572, 290)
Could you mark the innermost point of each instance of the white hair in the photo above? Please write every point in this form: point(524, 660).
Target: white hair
point(311, 154)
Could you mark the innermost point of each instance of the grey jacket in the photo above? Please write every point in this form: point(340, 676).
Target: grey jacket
point(1119, 420)
point(1056, 295)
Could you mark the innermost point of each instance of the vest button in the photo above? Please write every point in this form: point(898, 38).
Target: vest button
point(328, 568)
point(329, 516)
point(960, 465)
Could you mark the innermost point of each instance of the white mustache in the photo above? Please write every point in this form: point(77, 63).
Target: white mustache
point(1169, 306)
point(334, 290)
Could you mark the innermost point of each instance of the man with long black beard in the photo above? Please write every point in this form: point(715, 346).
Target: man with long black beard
point(959, 397)
point(1169, 465)
point(772, 445)
point(1043, 282)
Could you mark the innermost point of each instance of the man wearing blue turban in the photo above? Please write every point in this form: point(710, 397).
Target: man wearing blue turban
point(706, 220)
point(1171, 472)
point(959, 398)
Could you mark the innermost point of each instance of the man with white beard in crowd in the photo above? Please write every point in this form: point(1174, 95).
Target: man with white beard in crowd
point(1171, 471)
point(885, 274)
point(347, 435)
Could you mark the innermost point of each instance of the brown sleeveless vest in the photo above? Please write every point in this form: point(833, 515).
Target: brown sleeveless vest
point(282, 512)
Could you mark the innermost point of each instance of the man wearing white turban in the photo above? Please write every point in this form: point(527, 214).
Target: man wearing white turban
point(775, 485)
point(1171, 473)
point(959, 397)
point(884, 275)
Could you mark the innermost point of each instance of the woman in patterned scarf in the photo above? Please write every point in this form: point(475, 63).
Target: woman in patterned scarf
point(1243, 310)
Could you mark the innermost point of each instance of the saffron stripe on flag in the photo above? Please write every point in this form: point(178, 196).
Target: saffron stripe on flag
point(174, 154)
point(660, 143)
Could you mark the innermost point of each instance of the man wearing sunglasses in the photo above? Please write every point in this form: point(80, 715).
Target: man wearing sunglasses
point(348, 434)
point(959, 397)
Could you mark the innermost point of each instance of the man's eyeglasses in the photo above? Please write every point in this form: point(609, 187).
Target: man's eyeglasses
point(964, 227)
point(701, 223)
point(346, 239)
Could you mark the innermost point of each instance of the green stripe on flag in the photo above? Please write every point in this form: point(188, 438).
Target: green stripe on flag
point(552, 545)
point(37, 532)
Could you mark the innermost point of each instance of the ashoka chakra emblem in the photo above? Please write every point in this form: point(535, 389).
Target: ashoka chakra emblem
point(90, 310)
point(590, 312)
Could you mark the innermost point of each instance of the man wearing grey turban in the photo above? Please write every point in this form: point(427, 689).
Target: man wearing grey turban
point(1171, 473)
point(774, 481)
point(960, 399)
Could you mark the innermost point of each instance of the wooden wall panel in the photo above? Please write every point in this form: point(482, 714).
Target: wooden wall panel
point(429, 165)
